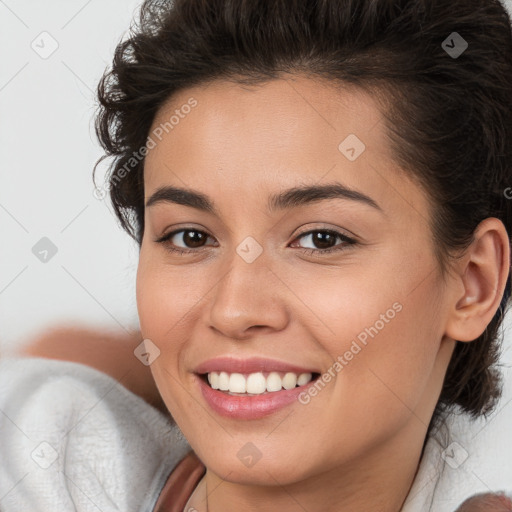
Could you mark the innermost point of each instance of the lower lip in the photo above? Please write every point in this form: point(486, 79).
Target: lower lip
point(249, 407)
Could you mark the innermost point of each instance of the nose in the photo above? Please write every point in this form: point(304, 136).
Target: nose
point(249, 299)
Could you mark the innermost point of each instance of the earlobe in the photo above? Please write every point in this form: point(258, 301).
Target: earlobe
point(481, 275)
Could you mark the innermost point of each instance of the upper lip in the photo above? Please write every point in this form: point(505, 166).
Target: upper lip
point(250, 365)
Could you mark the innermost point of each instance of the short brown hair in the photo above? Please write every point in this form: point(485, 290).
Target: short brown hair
point(449, 118)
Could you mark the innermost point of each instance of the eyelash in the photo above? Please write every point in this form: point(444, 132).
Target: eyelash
point(339, 247)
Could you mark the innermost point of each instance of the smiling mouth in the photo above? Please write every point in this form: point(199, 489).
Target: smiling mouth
point(257, 383)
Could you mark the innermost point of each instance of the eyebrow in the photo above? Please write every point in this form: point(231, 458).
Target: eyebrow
point(291, 198)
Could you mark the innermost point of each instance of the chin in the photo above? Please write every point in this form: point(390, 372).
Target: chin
point(248, 465)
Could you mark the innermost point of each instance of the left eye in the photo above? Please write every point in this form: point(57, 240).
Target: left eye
point(325, 240)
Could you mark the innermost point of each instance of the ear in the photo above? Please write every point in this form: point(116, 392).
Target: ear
point(480, 279)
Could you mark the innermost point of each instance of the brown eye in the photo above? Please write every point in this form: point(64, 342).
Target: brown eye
point(193, 238)
point(184, 240)
point(324, 240)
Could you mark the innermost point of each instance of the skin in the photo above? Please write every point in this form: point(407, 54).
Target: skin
point(487, 502)
point(238, 146)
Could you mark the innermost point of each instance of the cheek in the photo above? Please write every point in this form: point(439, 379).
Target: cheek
point(169, 302)
point(386, 382)
point(167, 298)
point(384, 331)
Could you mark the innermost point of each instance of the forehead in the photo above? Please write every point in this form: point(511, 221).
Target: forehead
point(274, 135)
point(280, 114)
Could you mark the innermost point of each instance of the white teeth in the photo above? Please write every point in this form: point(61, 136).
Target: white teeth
point(223, 381)
point(257, 383)
point(213, 379)
point(304, 378)
point(237, 383)
point(274, 382)
point(289, 380)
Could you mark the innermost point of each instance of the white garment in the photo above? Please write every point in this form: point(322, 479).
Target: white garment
point(113, 451)
point(73, 439)
point(465, 457)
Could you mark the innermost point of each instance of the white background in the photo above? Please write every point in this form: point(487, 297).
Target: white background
point(48, 150)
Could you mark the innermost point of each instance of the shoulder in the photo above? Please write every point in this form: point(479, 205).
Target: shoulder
point(464, 457)
point(72, 437)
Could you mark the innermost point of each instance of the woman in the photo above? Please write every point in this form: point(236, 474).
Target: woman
point(318, 190)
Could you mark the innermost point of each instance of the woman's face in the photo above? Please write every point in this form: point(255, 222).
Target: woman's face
point(340, 283)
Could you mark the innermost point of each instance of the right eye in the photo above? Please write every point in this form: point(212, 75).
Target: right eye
point(190, 239)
